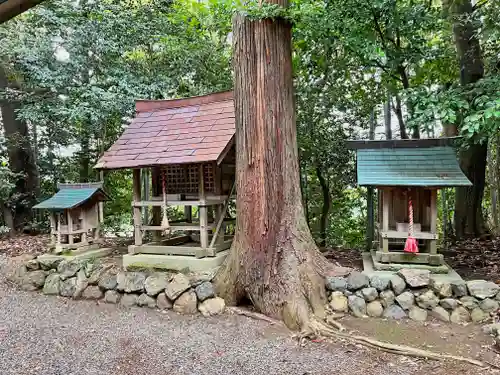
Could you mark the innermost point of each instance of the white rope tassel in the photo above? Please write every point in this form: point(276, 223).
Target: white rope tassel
point(164, 221)
point(58, 236)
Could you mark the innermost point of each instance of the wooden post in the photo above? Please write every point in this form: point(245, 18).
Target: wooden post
point(385, 218)
point(203, 211)
point(145, 194)
point(70, 226)
point(97, 230)
point(188, 214)
point(137, 210)
point(100, 217)
point(369, 199)
point(156, 190)
point(433, 247)
point(84, 226)
point(53, 233)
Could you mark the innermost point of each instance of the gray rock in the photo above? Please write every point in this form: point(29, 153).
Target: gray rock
point(212, 306)
point(52, 284)
point(348, 293)
point(112, 296)
point(130, 282)
point(108, 281)
point(359, 294)
point(482, 289)
point(492, 329)
point(81, 283)
point(417, 314)
point(497, 297)
point(441, 288)
point(415, 278)
point(163, 302)
point(394, 312)
point(92, 292)
point(68, 287)
point(459, 288)
point(336, 283)
point(357, 305)
point(477, 315)
point(460, 315)
point(374, 309)
point(205, 291)
point(387, 298)
point(380, 283)
point(338, 302)
point(98, 272)
point(369, 294)
point(48, 263)
point(32, 265)
point(186, 303)
point(145, 300)
point(405, 300)
point(398, 285)
point(156, 283)
point(34, 280)
point(449, 303)
point(488, 305)
point(427, 300)
point(357, 280)
point(440, 313)
point(69, 268)
point(128, 300)
point(88, 268)
point(469, 302)
point(178, 285)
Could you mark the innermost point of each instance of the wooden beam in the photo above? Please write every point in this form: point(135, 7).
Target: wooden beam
point(84, 226)
point(53, 232)
point(70, 227)
point(221, 216)
point(203, 210)
point(385, 218)
point(404, 235)
point(136, 180)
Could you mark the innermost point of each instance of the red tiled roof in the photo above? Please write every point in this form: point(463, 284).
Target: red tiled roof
point(178, 131)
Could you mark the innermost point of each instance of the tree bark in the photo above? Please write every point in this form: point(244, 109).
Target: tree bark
point(469, 220)
point(274, 261)
point(21, 158)
point(387, 119)
point(325, 209)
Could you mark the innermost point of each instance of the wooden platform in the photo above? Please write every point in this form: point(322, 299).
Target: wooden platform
point(394, 261)
point(173, 262)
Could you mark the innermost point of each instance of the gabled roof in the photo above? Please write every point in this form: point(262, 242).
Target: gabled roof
point(73, 195)
point(427, 165)
point(12, 8)
point(179, 131)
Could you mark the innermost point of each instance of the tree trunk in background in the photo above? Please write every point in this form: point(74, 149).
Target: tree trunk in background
point(325, 209)
point(387, 119)
point(469, 220)
point(492, 187)
point(21, 158)
point(274, 262)
point(84, 157)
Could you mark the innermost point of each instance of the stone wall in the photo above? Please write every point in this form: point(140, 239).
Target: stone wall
point(79, 279)
point(413, 294)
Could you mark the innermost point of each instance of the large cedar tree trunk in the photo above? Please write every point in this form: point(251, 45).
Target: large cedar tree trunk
point(469, 220)
point(21, 159)
point(325, 209)
point(273, 262)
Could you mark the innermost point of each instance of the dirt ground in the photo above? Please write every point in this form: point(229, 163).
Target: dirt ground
point(476, 259)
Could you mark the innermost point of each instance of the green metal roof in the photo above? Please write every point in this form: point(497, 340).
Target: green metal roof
point(70, 198)
point(431, 166)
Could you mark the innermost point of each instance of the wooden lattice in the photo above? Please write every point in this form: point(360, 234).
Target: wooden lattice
point(184, 179)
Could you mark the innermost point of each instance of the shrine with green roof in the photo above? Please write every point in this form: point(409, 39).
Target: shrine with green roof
point(76, 215)
point(407, 175)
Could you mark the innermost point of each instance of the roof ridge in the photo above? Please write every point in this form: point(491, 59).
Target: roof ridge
point(153, 105)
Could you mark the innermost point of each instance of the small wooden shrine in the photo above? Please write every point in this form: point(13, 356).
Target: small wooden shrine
point(407, 175)
point(76, 216)
point(186, 146)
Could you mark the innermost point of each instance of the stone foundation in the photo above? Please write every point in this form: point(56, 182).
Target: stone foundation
point(84, 279)
point(413, 294)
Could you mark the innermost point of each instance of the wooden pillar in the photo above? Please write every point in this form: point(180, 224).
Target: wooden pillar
point(370, 219)
point(203, 211)
point(97, 230)
point(157, 193)
point(137, 210)
point(188, 214)
point(84, 226)
point(100, 217)
point(70, 226)
point(53, 233)
point(433, 220)
point(385, 218)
